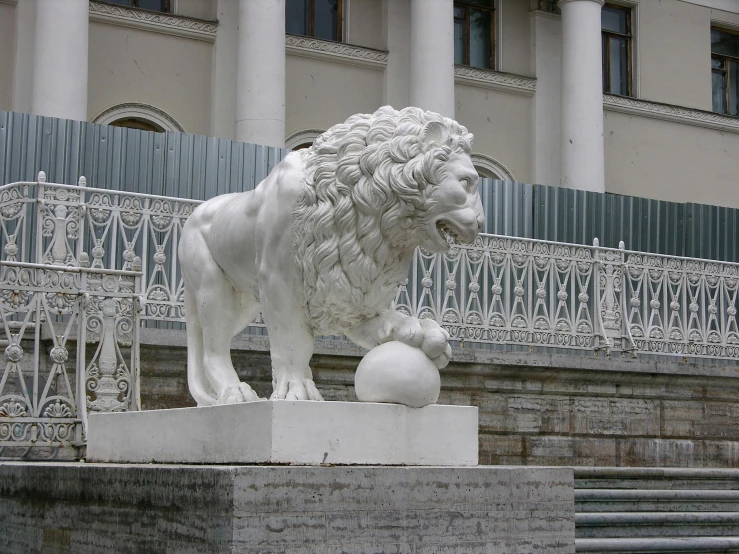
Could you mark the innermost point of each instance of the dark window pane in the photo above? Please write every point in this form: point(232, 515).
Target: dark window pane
point(719, 91)
point(734, 88)
point(486, 3)
point(480, 23)
point(121, 2)
point(619, 66)
point(326, 22)
point(724, 43)
point(154, 5)
point(460, 36)
point(296, 17)
point(717, 64)
point(614, 19)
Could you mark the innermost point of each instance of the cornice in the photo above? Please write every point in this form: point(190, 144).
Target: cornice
point(166, 23)
point(309, 47)
point(669, 112)
point(494, 80)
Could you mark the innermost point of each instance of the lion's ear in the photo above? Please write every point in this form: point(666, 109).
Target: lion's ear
point(434, 133)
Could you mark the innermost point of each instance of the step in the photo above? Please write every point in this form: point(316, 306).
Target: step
point(658, 544)
point(656, 524)
point(651, 500)
point(655, 478)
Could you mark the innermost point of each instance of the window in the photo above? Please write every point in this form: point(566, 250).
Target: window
point(725, 71)
point(314, 18)
point(140, 124)
point(153, 5)
point(616, 37)
point(474, 39)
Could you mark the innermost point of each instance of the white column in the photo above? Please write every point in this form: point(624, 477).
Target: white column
point(260, 74)
point(60, 59)
point(583, 159)
point(432, 56)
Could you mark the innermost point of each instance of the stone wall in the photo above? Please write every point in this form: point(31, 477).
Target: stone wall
point(535, 409)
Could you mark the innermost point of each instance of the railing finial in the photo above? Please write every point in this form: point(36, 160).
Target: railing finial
point(82, 181)
point(621, 245)
point(596, 242)
point(41, 177)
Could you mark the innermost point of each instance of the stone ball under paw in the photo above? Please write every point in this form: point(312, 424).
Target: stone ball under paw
point(397, 373)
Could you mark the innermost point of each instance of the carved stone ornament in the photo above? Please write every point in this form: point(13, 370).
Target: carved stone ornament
point(334, 229)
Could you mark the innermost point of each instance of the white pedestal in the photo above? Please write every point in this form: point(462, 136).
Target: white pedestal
point(288, 432)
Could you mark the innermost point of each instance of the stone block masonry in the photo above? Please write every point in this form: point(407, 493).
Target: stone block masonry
point(534, 409)
point(107, 508)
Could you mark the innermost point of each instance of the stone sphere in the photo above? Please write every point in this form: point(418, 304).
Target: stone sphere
point(397, 373)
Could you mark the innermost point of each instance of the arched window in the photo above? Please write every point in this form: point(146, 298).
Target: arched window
point(302, 139)
point(138, 116)
point(491, 168)
point(133, 123)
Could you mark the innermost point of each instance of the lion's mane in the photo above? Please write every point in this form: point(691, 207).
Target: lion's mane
point(368, 184)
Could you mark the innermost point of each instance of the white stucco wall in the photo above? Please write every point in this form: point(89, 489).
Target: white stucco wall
point(671, 161)
point(7, 55)
point(199, 9)
point(513, 42)
point(365, 23)
point(168, 72)
point(501, 123)
point(674, 49)
point(322, 93)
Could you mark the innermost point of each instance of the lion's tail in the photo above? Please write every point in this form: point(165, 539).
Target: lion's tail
point(197, 382)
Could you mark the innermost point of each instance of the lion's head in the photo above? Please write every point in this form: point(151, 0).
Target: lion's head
point(376, 187)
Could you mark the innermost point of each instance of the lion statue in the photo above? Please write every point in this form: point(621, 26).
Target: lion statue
point(320, 246)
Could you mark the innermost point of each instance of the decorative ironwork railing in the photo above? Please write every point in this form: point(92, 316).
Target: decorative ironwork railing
point(92, 266)
point(69, 328)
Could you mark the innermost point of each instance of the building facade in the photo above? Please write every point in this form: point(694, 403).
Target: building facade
point(634, 97)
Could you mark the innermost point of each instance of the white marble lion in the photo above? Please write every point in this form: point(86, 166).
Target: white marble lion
point(320, 246)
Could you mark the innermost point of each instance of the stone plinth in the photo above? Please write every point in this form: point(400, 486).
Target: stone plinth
point(108, 508)
point(288, 432)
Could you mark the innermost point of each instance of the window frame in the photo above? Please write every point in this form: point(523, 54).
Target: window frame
point(312, 22)
point(629, 36)
point(134, 4)
point(467, 6)
point(727, 71)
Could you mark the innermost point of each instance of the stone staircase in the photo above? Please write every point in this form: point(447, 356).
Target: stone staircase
point(656, 510)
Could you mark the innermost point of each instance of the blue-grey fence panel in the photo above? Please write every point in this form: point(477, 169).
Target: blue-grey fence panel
point(199, 167)
point(169, 164)
point(711, 232)
point(509, 207)
point(576, 216)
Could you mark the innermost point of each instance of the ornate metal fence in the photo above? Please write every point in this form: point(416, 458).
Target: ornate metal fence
point(70, 328)
point(90, 267)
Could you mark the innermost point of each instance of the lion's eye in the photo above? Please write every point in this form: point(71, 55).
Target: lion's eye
point(465, 183)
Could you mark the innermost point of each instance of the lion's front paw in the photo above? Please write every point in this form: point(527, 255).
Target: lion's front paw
point(430, 337)
point(295, 389)
point(236, 394)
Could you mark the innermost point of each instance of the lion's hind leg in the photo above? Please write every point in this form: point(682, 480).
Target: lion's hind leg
point(197, 382)
point(215, 311)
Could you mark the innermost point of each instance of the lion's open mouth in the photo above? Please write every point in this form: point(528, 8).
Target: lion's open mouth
point(447, 232)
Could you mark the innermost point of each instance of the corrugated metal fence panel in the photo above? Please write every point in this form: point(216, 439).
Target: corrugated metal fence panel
point(576, 216)
point(199, 167)
point(711, 232)
point(508, 207)
point(169, 164)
